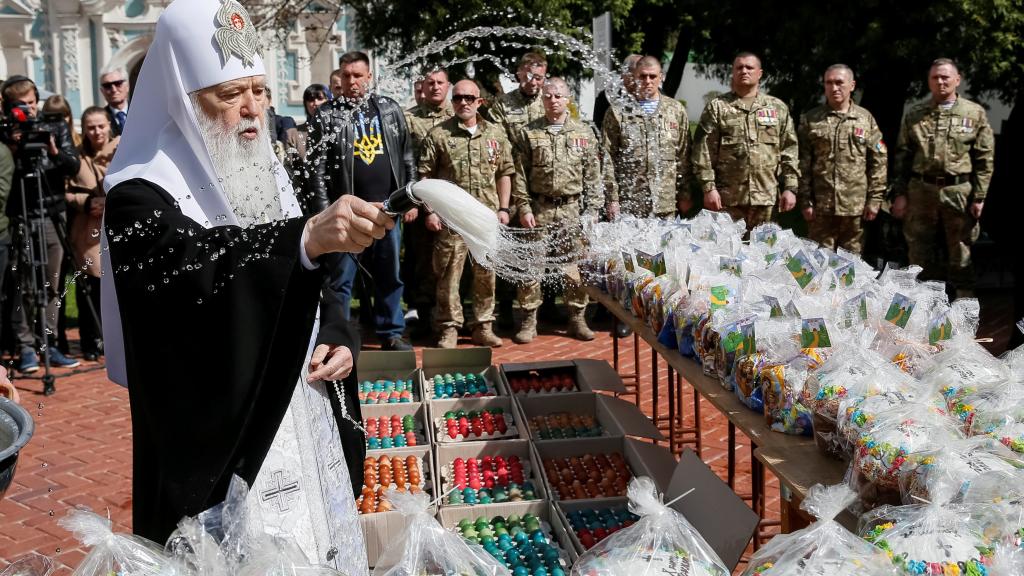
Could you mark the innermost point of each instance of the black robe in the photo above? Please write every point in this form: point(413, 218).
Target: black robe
point(216, 325)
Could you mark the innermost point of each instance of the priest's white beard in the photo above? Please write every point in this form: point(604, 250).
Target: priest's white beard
point(245, 167)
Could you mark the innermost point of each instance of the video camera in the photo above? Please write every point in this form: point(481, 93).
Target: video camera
point(35, 133)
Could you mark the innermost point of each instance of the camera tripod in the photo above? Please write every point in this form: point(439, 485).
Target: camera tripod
point(31, 249)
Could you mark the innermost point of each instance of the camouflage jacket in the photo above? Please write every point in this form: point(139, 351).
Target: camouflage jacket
point(473, 161)
point(744, 153)
point(938, 142)
point(843, 161)
point(422, 118)
point(557, 164)
point(646, 157)
point(513, 111)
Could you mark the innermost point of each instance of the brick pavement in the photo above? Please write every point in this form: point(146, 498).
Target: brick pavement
point(81, 453)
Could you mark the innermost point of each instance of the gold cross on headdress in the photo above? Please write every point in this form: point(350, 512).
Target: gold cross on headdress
point(236, 36)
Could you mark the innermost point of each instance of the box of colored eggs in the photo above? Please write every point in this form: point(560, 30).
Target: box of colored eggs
point(582, 415)
point(482, 473)
point(396, 426)
point(559, 377)
point(528, 538)
point(413, 469)
point(388, 378)
point(591, 521)
point(473, 419)
point(589, 468)
point(458, 373)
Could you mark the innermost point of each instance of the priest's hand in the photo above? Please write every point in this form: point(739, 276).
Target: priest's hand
point(350, 224)
point(329, 362)
point(7, 389)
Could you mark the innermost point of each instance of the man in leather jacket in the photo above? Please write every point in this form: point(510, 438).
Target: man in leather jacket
point(360, 144)
point(57, 160)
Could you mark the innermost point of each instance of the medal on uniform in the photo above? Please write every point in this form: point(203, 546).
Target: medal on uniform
point(492, 150)
point(966, 125)
point(767, 117)
point(858, 133)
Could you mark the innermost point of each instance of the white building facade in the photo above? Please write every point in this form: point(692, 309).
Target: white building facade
point(64, 45)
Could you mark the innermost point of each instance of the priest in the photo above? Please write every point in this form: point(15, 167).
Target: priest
point(211, 288)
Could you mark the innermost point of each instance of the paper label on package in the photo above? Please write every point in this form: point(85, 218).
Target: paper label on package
point(800, 266)
point(939, 328)
point(627, 262)
point(814, 334)
point(900, 310)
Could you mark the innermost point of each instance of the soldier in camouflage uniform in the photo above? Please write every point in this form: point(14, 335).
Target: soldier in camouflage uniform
point(842, 165)
point(417, 266)
point(646, 148)
point(744, 145)
point(513, 111)
point(944, 161)
point(557, 168)
point(476, 155)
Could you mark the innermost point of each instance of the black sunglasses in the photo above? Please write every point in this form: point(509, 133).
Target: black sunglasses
point(468, 98)
point(112, 84)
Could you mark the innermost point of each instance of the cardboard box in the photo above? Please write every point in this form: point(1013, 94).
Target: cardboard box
point(440, 431)
point(617, 417)
point(590, 375)
point(725, 521)
point(381, 528)
point(447, 453)
point(564, 507)
point(643, 458)
point(450, 517)
point(465, 360)
point(391, 365)
point(417, 409)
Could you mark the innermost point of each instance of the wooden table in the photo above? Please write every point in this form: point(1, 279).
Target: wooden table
point(795, 460)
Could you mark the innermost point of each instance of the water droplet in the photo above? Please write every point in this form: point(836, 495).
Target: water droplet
point(150, 288)
point(50, 512)
point(58, 550)
point(40, 406)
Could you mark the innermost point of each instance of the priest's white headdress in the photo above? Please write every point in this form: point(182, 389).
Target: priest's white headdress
point(198, 44)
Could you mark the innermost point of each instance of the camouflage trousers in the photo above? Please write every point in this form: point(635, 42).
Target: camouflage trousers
point(450, 254)
point(940, 232)
point(528, 296)
point(752, 215)
point(834, 231)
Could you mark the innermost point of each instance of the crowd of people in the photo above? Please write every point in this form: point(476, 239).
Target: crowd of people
point(529, 156)
point(51, 209)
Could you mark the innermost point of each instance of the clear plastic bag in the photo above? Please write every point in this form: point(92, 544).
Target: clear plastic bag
point(935, 539)
point(882, 450)
point(114, 553)
point(661, 542)
point(824, 548)
point(32, 564)
point(946, 473)
point(424, 547)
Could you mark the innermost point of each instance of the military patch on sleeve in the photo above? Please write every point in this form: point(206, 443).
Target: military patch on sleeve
point(880, 147)
point(236, 35)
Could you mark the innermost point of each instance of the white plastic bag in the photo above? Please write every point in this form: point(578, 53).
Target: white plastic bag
point(824, 548)
point(661, 542)
point(113, 553)
point(425, 547)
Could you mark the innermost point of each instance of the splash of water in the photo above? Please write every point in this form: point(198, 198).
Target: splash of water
point(516, 254)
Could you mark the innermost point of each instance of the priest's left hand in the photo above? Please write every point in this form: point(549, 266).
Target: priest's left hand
point(329, 362)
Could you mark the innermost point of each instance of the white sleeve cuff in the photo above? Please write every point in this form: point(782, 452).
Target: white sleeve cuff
point(303, 257)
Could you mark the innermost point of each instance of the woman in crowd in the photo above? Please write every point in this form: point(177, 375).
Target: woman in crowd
point(57, 104)
point(312, 98)
point(86, 199)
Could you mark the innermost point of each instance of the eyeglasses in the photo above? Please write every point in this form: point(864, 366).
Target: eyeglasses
point(113, 84)
point(467, 98)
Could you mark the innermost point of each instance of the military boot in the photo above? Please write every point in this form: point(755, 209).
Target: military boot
point(527, 328)
point(578, 328)
point(484, 336)
point(449, 338)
